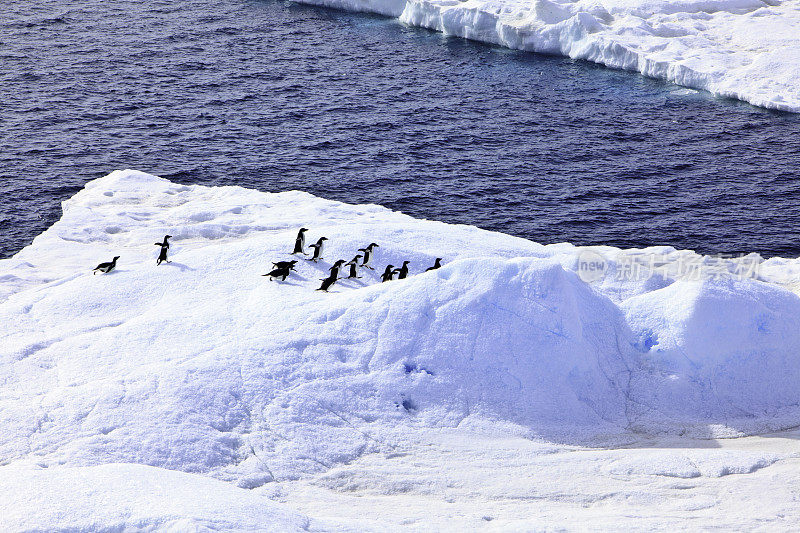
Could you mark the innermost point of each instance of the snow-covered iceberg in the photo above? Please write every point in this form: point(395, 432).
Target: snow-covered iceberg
point(204, 366)
point(744, 49)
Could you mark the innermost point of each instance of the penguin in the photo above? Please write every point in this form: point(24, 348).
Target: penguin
point(402, 272)
point(300, 242)
point(335, 268)
point(106, 267)
point(354, 267)
point(164, 247)
point(327, 283)
point(285, 264)
point(436, 264)
point(280, 272)
point(317, 249)
point(368, 253)
point(387, 274)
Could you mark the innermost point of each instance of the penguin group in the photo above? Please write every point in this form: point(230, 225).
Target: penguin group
point(283, 269)
point(364, 259)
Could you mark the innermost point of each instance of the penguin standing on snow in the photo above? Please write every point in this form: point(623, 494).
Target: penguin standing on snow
point(162, 256)
point(327, 283)
point(354, 267)
point(300, 242)
point(387, 274)
point(368, 254)
point(436, 264)
point(402, 272)
point(105, 268)
point(317, 246)
point(335, 268)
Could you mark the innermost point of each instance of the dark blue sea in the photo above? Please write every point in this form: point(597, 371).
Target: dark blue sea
point(276, 95)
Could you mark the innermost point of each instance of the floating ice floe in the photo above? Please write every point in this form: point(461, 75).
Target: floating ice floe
point(204, 366)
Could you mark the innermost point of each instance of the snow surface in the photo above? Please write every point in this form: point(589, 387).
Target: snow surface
point(744, 49)
point(501, 390)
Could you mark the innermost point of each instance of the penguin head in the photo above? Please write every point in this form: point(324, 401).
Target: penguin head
point(167, 237)
point(374, 245)
point(405, 263)
point(303, 229)
point(116, 257)
point(323, 239)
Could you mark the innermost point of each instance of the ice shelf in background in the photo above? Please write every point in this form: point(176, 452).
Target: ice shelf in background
point(744, 49)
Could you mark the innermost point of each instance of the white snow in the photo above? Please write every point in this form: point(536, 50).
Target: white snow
point(502, 390)
point(744, 49)
point(128, 497)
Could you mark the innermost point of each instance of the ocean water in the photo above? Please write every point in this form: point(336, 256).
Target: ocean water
point(277, 96)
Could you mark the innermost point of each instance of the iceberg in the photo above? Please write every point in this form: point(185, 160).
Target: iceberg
point(743, 49)
point(201, 371)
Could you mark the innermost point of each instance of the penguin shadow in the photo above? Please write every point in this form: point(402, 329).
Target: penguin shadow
point(322, 268)
point(181, 266)
point(287, 282)
point(292, 279)
point(322, 265)
point(352, 283)
point(112, 273)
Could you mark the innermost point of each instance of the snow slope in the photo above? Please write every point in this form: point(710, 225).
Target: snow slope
point(744, 49)
point(205, 367)
point(126, 497)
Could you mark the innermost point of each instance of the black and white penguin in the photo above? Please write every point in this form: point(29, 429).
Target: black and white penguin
point(335, 268)
point(106, 267)
point(368, 254)
point(327, 283)
point(436, 264)
point(317, 249)
point(280, 272)
point(402, 272)
point(162, 256)
point(300, 242)
point(387, 274)
point(354, 267)
point(285, 264)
